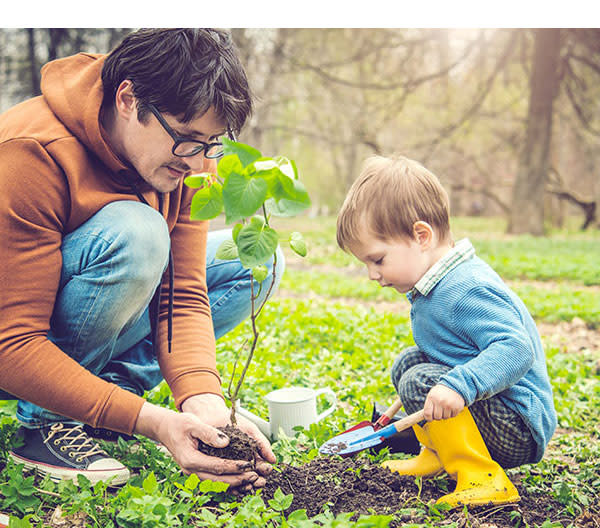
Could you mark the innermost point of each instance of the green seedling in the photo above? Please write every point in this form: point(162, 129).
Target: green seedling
point(250, 189)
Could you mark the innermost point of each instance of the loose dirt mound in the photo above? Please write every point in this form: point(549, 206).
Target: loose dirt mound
point(349, 485)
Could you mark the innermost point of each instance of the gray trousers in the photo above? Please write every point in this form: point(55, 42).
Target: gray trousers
point(504, 432)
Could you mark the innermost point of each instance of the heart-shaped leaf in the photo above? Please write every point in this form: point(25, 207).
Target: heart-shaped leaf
point(260, 273)
point(242, 196)
point(236, 231)
point(298, 244)
point(207, 203)
point(198, 181)
point(228, 165)
point(292, 203)
point(245, 153)
point(257, 242)
point(227, 250)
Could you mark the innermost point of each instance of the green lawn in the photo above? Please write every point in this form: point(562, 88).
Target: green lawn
point(330, 327)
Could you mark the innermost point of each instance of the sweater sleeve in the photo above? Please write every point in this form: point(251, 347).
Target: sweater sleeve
point(34, 207)
point(488, 319)
point(190, 368)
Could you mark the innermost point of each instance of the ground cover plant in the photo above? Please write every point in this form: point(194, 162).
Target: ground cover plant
point(317, 334)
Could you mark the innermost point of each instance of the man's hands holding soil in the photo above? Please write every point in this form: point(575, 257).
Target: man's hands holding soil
point(202, 414)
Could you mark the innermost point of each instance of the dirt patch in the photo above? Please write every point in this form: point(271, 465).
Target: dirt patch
point(240, 447)
point(572, 336)
point(350, 485)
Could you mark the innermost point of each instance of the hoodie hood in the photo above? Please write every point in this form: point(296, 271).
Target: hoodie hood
point(72, 88)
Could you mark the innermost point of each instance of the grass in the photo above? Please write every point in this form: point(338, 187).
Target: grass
point(331, 327)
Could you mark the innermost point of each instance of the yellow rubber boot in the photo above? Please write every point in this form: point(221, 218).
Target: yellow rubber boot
point(464, 455)
point(425, 464)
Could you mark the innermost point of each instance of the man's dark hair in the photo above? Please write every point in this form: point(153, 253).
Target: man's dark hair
point(182, 72)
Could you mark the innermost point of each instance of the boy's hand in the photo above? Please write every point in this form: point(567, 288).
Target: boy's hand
point(441, 403)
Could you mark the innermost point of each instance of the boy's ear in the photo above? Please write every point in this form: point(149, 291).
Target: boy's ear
point(423, 234)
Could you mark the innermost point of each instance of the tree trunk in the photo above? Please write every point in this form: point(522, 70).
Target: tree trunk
point(527, 211)
point(33, 63)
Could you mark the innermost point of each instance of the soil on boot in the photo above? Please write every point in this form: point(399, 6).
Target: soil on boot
point(241, 446)
point(354, 485)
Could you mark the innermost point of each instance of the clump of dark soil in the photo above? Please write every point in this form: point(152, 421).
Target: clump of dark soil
point(354, 485)
point(241, 446)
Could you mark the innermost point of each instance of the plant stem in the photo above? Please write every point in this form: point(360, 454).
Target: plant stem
point(253, 316)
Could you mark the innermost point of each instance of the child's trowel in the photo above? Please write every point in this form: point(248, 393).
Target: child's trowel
point(353, 441)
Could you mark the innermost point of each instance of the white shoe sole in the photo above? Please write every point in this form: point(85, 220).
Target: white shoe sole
point(117, 477)
point(3, 521)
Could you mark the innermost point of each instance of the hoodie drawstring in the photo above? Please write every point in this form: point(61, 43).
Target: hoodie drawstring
point(154, 307)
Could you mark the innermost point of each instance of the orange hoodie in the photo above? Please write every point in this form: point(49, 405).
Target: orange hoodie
point(56, 171)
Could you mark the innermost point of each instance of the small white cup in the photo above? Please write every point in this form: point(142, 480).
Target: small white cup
point(290, 407)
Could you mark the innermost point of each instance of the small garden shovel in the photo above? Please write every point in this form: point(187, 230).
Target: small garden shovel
point(359, 439)
point(382, 421)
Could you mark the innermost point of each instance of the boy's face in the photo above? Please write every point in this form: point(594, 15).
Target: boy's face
point(397, 263)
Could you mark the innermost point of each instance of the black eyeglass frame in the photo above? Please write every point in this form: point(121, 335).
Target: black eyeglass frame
point(178, 140)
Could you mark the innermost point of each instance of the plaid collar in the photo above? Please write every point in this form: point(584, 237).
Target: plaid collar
point(463, 250)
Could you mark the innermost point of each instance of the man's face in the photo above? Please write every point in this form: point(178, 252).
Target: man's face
point(148, 147)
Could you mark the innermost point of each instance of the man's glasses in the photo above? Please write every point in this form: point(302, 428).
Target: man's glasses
point(184, 147)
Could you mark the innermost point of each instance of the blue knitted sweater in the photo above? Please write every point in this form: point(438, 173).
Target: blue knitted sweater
point(471, 321)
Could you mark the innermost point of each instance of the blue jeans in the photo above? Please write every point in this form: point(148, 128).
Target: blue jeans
point(112, 264)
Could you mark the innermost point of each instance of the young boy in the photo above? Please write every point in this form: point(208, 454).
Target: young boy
point(478, 368)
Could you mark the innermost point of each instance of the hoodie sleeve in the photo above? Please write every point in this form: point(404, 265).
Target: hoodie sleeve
point(34, 207)
point(190, 368)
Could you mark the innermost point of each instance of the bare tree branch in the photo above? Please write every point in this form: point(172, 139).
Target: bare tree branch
point(479, 99)
point(585, 60)
point(580, 112)
point(406, 85)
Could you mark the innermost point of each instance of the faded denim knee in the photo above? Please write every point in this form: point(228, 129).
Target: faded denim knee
point(140, 243)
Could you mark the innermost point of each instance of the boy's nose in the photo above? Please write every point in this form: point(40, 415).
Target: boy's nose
point(374, 274)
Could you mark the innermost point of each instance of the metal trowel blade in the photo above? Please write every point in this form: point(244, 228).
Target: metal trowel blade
point(348, 443)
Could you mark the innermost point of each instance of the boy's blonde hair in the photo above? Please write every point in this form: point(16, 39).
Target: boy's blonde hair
point(389, 196)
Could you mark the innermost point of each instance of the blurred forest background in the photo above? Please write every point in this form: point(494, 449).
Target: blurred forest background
point(509, 119)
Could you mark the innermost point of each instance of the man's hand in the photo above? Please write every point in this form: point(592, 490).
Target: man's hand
point(180, 432)
point(442, 402)
point(211, 409)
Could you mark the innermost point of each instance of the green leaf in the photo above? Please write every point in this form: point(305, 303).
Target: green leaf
point(227, 250)
point(260, 273)
point(257, 242)
point(150, 484)
point(242, 196)
point(245, 153)
point(279, 175)
point(236, 231)
point(192, 482)
point(207, 203)
point(15, 522)
point(210, 486)
point(298, 244)
point(228, 165)
point(293, 203)
point(197, 181)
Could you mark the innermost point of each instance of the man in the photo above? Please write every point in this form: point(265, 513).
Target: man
point(93, 210)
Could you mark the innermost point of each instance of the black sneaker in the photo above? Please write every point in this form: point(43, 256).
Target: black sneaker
point(64, 450)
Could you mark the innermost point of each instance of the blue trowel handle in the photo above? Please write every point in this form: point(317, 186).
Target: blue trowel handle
point(393, 428)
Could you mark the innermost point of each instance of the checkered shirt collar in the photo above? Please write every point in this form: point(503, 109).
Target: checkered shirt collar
point(463, 250)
